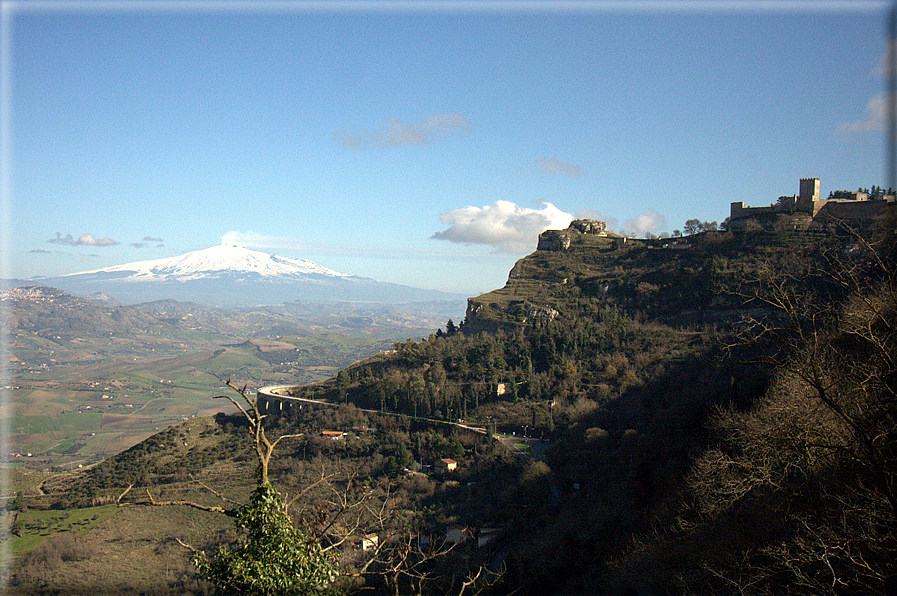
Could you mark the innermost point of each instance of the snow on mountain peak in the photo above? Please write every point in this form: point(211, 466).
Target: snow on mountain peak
point(227, 257)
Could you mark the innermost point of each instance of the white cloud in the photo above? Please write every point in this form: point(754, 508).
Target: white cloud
point(504, 225)
point(395, 133)
point(145, 241)
point(256, 241)
point(89, 240)
point(649, 222)
point(875, 115)
point(873, 119)
point(83, 240)
point(554, 166)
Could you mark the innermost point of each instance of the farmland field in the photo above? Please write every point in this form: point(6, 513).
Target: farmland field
point(78, 401)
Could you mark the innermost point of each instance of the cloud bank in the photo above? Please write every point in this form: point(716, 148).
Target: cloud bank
point(875, 113)
point(553, 166)
point(873, 119)
point(83, 240)
point(395, 133)
point(650, 222)
point(504, 225)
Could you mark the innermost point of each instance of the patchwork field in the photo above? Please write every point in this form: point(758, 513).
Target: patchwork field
point(78, 401)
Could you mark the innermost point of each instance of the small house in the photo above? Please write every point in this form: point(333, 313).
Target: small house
point(369, 541)
point(457, 534)
point(445, 464)
point(333, 435)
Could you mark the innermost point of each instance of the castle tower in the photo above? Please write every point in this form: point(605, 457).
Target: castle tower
point(809, 192)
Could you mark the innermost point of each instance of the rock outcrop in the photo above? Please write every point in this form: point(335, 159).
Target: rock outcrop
point(556, 240)
point(560, 240)
point(589, 226)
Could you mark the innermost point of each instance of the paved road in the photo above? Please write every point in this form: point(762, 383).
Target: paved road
point(274, 391)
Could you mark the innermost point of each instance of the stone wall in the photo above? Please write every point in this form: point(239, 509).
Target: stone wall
point(807, 204)
point(865, 211)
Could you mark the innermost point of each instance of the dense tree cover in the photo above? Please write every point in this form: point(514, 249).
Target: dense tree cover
point(876, 192)
point(635, 404)
point(696, 226)
point(532, 371)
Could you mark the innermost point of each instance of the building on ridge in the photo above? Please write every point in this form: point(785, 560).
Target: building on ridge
point(806, 210)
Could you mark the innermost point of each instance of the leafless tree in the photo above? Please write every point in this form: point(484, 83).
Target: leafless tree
point(263, 447)
point(818, 453)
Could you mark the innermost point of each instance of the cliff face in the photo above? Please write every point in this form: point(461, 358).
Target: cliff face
point(554, 240)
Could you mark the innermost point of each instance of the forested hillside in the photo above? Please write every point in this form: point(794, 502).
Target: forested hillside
point(714, 414)
point(726, 401)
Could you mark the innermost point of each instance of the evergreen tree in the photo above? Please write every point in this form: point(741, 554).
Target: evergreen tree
point(272, 557)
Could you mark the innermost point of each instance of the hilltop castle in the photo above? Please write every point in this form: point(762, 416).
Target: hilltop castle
point(806, 210)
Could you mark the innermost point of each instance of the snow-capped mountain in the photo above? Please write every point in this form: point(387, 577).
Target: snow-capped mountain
point(233, 276)
point(209, 262)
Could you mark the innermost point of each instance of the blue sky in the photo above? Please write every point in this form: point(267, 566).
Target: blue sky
point(420, 146)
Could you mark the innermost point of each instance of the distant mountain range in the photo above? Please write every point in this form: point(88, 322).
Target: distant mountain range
point(235, 277)
point(52, 313)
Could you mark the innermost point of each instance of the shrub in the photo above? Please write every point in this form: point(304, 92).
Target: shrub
point(596, 435)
